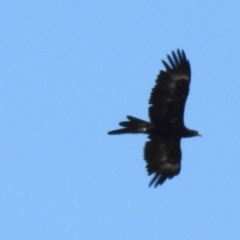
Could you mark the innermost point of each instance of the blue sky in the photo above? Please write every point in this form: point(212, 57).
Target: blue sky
point(70, 71)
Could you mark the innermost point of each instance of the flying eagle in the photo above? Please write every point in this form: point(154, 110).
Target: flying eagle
point(166, 127)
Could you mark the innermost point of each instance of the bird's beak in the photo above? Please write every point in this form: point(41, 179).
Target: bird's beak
point(199, 134)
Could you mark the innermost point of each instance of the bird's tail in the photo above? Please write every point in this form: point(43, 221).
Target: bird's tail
point(134, 125)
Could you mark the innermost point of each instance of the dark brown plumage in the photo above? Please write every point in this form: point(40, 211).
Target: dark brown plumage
point(166, 127)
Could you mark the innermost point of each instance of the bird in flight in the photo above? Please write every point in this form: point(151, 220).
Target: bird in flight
point(166, 128)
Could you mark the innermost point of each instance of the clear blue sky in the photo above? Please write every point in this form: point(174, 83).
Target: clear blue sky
point(70, 71)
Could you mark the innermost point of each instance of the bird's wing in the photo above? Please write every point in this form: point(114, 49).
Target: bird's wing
point(163, 157)
point(169, 95)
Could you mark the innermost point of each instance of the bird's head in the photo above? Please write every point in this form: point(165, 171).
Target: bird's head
point(196, 133)
point(192, 133)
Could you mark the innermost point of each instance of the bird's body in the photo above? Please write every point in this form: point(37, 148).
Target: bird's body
point(166, 127)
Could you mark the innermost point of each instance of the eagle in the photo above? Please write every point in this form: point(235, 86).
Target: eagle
point(166, 128)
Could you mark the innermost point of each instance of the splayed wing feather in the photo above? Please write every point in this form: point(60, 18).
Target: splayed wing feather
point(175, 58)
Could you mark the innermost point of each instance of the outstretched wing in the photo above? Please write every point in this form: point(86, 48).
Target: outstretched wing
point(169, 95)
point(163, 157)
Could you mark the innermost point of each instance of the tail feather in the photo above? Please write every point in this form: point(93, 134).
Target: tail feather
point(118, 131)
point(134, 125)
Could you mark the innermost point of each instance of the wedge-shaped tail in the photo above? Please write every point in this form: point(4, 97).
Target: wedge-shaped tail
point(134, 125)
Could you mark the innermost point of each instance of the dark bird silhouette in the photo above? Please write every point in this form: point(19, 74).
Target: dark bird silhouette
point(166, 127)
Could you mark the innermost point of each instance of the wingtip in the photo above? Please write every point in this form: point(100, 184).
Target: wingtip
point(166, 65)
